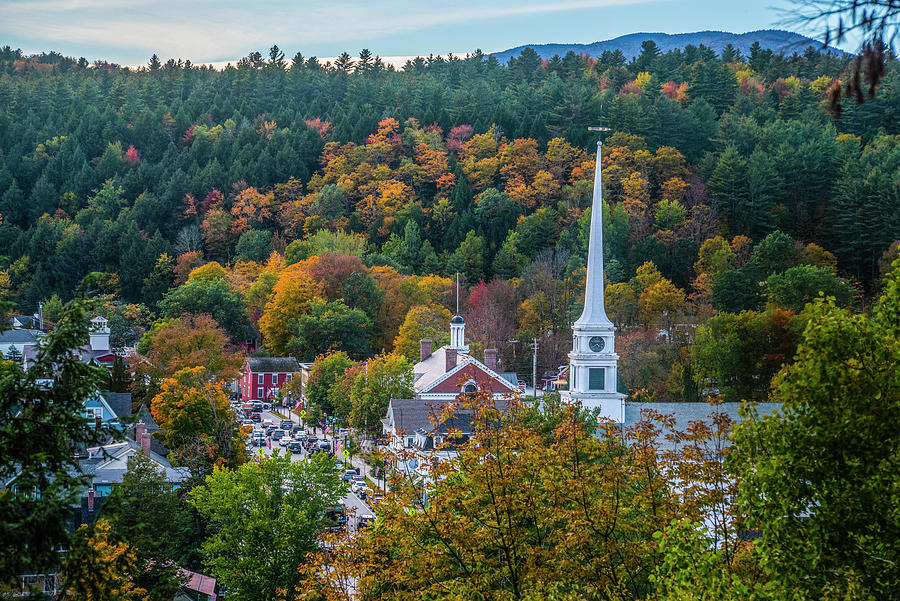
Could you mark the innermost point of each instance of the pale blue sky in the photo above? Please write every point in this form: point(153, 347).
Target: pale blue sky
point(204, 31)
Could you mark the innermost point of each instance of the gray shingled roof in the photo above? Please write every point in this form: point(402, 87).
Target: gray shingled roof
point(17, 337)
point(412, 415)
point(685, 413)
point(273, 364)
point(119, 402)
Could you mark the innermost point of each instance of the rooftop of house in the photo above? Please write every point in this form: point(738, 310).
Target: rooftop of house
point(105, 464)
point(685, 413)
point(119, 402)
point(415, 415)
point(273, 364)
point(433, 367)
point(19, 336)
point(194, 581)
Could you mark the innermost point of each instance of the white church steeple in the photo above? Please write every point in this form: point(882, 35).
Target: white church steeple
point(593, 361)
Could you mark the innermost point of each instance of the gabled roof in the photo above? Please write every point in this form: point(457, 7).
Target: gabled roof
point(98, 464)
point(427, 371)
point(23, 321)
point(460, 365)
point(273, 364)
point(415, 415)
point(118, 402)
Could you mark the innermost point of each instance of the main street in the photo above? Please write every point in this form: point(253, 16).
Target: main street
point(354, 505)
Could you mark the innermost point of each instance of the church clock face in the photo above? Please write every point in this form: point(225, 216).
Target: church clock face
point(597, 343)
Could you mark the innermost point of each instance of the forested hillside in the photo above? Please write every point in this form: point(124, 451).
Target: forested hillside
point(326, 206)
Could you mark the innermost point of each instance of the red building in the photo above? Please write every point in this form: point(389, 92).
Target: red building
point(263, 377)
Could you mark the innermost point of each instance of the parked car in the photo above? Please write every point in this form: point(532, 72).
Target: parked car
point(348, 475)
point(266, 406)
point(364, 521)
point(357, 484)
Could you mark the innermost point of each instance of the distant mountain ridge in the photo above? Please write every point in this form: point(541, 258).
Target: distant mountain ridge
point(773, 39)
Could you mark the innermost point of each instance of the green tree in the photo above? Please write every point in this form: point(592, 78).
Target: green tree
point(330, 326)
point(213, 297)
point(728, 186)
point(804, 283)
point(381, 379)
point(264, 518)
point(39, 427)
point(326, 371)
point(324, 241)
point(738, 355)
point(145, 512)
point(159, 281)
point(469, 258)
point(254, 245)
point(818, 477)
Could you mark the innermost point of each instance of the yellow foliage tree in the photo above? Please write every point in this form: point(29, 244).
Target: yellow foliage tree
point(197, 422)
point(291, 297)
point(210, 271)
point(622, 303)
point(98, 568)
point(422, 321)
point(661, 303)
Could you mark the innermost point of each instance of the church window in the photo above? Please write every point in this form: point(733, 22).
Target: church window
point(596, 377)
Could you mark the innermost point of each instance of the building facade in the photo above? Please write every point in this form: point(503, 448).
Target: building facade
point(263, 377)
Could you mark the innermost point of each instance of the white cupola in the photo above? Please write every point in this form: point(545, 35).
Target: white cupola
point(458, 335)
point(99, 334)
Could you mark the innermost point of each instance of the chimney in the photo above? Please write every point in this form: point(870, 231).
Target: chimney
point(139, 429)
point(490, 358)
point(451, 358)
point(91, 500)
point(145, 443)
point(424, 349)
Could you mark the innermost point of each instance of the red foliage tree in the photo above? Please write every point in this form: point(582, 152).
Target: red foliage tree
point(132, 156)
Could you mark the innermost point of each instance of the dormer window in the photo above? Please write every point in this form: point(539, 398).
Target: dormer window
point(470, 387)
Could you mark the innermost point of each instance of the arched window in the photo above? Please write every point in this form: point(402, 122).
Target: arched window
point(470, 387)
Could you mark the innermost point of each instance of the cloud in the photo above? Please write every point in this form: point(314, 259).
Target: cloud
point(208, 30)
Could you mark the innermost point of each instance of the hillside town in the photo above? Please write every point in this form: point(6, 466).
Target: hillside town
point(587, 320)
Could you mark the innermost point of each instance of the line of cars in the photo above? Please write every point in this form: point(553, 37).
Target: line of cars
point(292, 437)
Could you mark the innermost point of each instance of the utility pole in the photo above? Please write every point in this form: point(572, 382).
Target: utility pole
point(534, 347)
